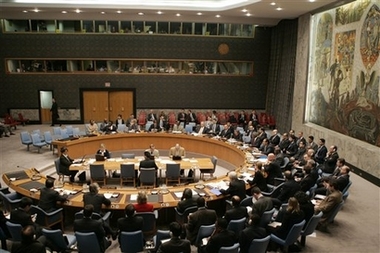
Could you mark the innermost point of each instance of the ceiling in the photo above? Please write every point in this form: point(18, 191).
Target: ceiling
point(258, 12)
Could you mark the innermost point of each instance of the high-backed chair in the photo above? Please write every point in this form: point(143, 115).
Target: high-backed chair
point(286, 161)
point(334, 212)
point(121, 128)
point(64, 134)
point(291, 238)
point(15, 231)
point(37, 142)
point(148, 176)
point(204, 231)
point(57, 164)
point(131, 242)
point(97, 173)
point(189, 129)
point(45, 219)
point(127, 174)
point(231, 249)
point(147, 125)
point(160, 235)
point(273, 190)
point(247, 201)
point(70, 130)
point(181, 218)
point(173, 172)
point(211, 171)
point(259, 245)
point(149, 226)
point(49, 139)
point(87, 242)
point(94, 216)
point(57, 133)
point(237, 225)
point(26, 139)
point(57, 238)
point(310, 227)
point(266, 218)
point(128, 156)
point(11, 200)
point(22, 120)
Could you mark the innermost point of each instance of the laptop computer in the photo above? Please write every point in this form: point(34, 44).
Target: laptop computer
point(99, 158)
point(177, 158)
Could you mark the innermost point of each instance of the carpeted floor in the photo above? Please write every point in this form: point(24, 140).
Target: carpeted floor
point(356, 227)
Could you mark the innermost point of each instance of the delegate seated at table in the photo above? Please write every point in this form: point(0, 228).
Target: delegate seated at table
point(103, 151)
point(177, 151)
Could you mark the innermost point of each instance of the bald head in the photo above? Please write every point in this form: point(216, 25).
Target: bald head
point(271, 157)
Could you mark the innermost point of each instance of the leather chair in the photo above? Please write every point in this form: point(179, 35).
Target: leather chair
point(291, 238)
point(310, 227)
point(127, 174)
point(45, 219)
point(97, 173)
point(10, 200)
point(266, 218)
point(131, 242)
point(181, 218)
point(173, 172)
point(259, 245)
point(148, 176)
point(204, 231)
point(87, 242)
point(15, 231)
point(231, 249)
point(237, 225)
point(160, 235)
point(57, 238)
point(149, 226)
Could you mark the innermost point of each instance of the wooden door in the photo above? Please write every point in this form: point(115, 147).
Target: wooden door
point(95, 105)
point(121, 102)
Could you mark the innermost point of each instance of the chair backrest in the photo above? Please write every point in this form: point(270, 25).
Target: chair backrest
point(247, 201)
point(214, 161)
point(286, 161)
point(334, 212)
point(64, 134)
point(57, 131)
point(128, 156)
point(127, 170)
point(76, 131)
point(312, 224)
point(10, 200)
point(25, 138)
point(121, 127)
point(347, 187)
point(266, 218)
point(173, 170)
point(94, 216)
point(56, 237)
point(85, 242)
point(204, 231)
point(97, 171)
point(149, 225)
point(36, 138)
point(70, 130)
point(147, 125)
point(14, 230)
point(259, 245)
point(160, 235)
point(182, 217)
point(131, 242)
point(189, 128)
point(237, 225)
point(57, 163)
point(47, 136)
point(231, 249)
point(294, 233)
point(147, 176)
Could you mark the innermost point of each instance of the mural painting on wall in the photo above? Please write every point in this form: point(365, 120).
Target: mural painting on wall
point(345, 82)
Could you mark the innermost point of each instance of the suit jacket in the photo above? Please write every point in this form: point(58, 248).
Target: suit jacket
point(313, 145)
point(106, 153)
point(34, 247)
point(49, 198)
point(186, 203)
point(204, 131)
point(188, 117)
point(284, 143)
point(262, 205)
point(214, 129)
point(300, 153)
point(288, 190)
point(330, 163)
point(306, 183)
point(152, 117)
point(273, 169)
point(259, 181)
point(289, 219)
point(181, 117)
point(64, 164)
point(236, 213)
point(19, 216)
point(201, 217)
point(148, 163)
point(87, 225)
point(130, 224)
point(236, 187)
point(343, 181)
point(292, 149)
point(96, 200)
point(175, 245)
point(266, 149)
point(224, 238)
point(226, 133)
point(274, 139)
point(328, 204)
point(320, 155)
point(248, 234)
point(174, 152)
point(154, 127)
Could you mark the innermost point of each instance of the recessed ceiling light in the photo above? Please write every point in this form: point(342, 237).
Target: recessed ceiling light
point(102, 12)
point(248, 14)
point(272, 3)
point(244, 10)
point(78, 11)
point(278, 8)
point(118, 12)
point(178, 14)
point(141, 13)
point(217, 16)
point(311, 1)
point(36, 10)
point(64, 12)
point(199, 13)
point(159, 12)
point(25, 11)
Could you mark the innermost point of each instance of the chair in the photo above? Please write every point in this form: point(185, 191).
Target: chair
point(70, 130)
point(57, 132)
point(26, 139)
point(347, 187)
point(64, 134)
point(22, 120)
point(204, 231)
point(247, 201)
point(160, 235)
point(121, 128)
point(128, 156)
point(57, 164)
point(259, 245)
point(131, 242)
point(189, 129)
point(45, 219)
point(86, 242)
point(291, 238)
point(334, 212)
point(127, 174)
point(237, 225)
point(310, 227)
point(48, 139)
point(9, 120)
point(15, 231)
point(97, 173)
point(231, 249)
point(266, 218)
point(271, 122)
point(148, 176)
point(181, 218)
point(286, 162)
point(173, 172)
point(10, 200)
point(95, 216)
point(147, 125)
point(149, 226)
point(37, 142)
point(274, 190)
point(57, 238)
point(214, 160)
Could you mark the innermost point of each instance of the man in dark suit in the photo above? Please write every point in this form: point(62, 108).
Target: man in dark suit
point(49, 197)
point(119, 120)
point(236, 212)
point(227, 132)
point(148, 162)
point(284, 143)
point(214, 128)
point(292, 149)
point(289, 188)
point(175, 244)
point(64, 164)
point(272, 169)
point(221, 237)
point(87, 225)
point(182, 116)
point(266, 147)
point(202, 216)
point(330, 160)
point(187, 200)
point(28, 242)
point(190, 117)
point(130, 223)
point(95, 199)
point(320, 155)
point(307, 181)
point(236, 187)
point(262, 203)
point(152, 116)
point(251, 232)
point(275, 138)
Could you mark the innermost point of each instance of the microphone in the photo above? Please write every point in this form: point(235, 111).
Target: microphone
point(22, 167)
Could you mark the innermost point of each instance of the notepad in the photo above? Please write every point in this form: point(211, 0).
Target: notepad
point(133, 197)
point(216, 191)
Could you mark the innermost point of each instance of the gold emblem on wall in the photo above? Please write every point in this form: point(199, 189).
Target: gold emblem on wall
point(223, 49)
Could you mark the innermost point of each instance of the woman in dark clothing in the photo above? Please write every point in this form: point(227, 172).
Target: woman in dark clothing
point(259, 179)
point(305, 205)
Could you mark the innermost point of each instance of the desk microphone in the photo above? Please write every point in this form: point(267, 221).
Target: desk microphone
point(22, 167)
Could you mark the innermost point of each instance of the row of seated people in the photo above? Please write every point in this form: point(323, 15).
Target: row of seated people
point(5, 130)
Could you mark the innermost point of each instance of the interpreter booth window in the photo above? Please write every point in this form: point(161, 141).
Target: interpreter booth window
point(113, 66)
point(56, 65)
point(13, 66)
point(125, 27)
point(175, 27)
point(89, 65)
point(100, 26)
point(198, 29)
point(112, 26)
point(212, 29)
point(74, 65)
point(187, 28)
point(138, 26)
point(126, 67)
point(15, 25)
point(88, 26)
point(150, 27)
point(33, 65)
point(68, 26)
point(163, 27)
point(223, 29)
point(101, 66)
point(138, 67)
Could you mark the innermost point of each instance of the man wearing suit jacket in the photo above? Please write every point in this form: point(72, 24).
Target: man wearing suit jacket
point(311, 144)
point(152, 116)
point(221, 237)
point(131, 222)
point(227, 132)
point(119, 120)
point(177, 150)
point(214, 128)
point(190, 117)
point(292, 149)
point(237, 212)
point(202, 216)
point(21, 215)
point(275, 138)
point(251, 232)
point(187, 200)
point(236, 187)
point(87, 225)
point(95, 199)
point(272, 169)
point(262, 203)
point(175, 244)
point(289, 188)
point(307, 181)
point(64, 164)
point(320, 155)
point(330, 160)
point(49, 197)
point(201, 129)
point(182, 116)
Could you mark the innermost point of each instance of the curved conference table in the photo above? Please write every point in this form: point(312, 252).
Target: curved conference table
point(28, 182)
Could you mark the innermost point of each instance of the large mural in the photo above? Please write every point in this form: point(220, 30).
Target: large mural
point(344, 73)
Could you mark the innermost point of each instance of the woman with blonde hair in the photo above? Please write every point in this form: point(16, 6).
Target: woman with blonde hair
point(92, 128)
point(142, 203)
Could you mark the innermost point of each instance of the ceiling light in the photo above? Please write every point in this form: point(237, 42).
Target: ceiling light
point(118, 12)
point(36, 10)
point(244, 10)
point(311, 1)
point(248, 14)
point(159, 12)
point(102, 12)
point(217, 16)
point(64, 12)
point(78, 11)
point(178, 15)
point(278, 8)
point(199, 13)
point(25, 11)
point(272, 3)
point(141, 13)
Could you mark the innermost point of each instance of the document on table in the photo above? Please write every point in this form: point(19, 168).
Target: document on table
point(133, 197)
